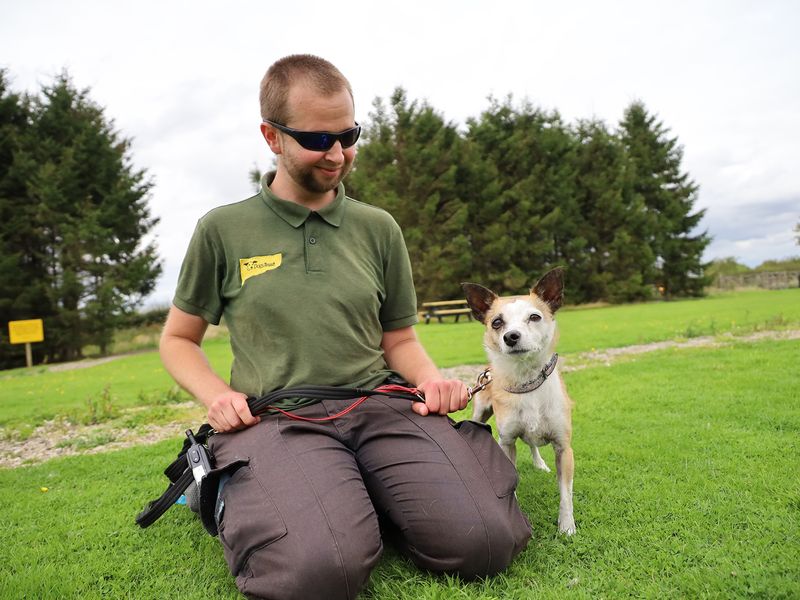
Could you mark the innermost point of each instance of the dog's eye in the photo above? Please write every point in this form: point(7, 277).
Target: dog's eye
point(536, 318)
point(497, 323)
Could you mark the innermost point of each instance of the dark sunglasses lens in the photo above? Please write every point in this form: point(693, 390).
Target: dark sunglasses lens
point(314, 140)
point(350, 137)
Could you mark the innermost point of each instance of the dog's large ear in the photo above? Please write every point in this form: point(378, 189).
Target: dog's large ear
point(479, 299)
point(550, 288)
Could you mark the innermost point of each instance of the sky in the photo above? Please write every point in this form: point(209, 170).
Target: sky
point(181, 80)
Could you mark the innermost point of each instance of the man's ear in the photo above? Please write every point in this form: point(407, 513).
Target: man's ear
point(271, 136)
point(550, 288)
point(479, 298)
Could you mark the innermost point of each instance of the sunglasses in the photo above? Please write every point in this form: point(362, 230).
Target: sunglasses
point(320, 140)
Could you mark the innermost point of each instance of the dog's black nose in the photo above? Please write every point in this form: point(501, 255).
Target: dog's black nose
point(511, 338)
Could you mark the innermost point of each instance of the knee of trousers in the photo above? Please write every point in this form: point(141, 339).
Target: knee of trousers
point(477, 547)
point(309, 572)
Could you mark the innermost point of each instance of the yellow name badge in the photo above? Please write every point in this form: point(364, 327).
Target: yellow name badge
point(256, 265)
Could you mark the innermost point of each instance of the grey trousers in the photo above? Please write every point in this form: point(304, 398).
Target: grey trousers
point(301, 518)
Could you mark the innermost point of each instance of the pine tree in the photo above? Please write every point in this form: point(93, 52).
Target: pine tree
point(83, 252)
point(412, 163)
point(532, 220)
point(254, 176)
point(656, 178)
point(23, 288)
point(615, 256)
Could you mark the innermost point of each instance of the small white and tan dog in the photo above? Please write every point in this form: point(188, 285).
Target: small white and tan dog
point(527, 394)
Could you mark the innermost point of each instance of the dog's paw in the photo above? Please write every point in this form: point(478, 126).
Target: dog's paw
point(542, 465)
point(566, 524)
point(538, 461)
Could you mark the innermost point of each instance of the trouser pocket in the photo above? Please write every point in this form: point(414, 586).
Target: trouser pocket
point(499, 470)
point(248, 518)
point(207, 496)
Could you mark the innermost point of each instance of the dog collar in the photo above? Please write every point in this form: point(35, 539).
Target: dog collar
point(535, 383)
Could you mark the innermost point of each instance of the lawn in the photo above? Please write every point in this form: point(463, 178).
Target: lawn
point(686, 476)
point(584, 329)
point(28, 397)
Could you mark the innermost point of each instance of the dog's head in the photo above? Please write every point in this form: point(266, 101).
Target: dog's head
point(520, 326)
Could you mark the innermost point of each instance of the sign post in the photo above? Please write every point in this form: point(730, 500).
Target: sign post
point(26, 332)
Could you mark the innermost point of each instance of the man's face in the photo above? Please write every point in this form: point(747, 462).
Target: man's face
point(317, 172)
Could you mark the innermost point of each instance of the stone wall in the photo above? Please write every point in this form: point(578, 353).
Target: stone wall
point(778, 280)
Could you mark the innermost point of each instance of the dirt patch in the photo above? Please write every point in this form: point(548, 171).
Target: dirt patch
point(59, 438)
point(575, 362)
point(608, 355)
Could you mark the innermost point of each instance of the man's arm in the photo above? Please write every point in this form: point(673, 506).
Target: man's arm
point(405, 354)
point(187, 363)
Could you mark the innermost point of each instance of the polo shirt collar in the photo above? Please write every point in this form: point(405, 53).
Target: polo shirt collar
point(295, 214)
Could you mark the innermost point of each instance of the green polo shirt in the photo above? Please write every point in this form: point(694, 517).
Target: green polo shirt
point(306, 295)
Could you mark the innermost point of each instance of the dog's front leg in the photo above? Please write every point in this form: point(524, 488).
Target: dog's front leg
point(565, 466)
point(509, 447)
point(481, 407)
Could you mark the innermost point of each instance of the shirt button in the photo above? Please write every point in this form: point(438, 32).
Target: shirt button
point(312, 240)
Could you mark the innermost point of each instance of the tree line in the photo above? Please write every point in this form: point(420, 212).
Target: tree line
point(498, 202)
point(519, 191)
point(73, 222)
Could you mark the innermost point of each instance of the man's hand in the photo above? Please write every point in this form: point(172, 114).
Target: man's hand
point(442, 396)
point(229, 412)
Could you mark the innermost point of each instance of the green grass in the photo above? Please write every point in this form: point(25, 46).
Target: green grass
point(29, 397)
point(686, 486)
point(584, 329)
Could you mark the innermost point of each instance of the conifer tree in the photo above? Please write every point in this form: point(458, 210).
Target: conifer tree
point(656, 178)
point(615, 257)
point(23, 288)
point(83, 209)
point(412, 163)
point(533, 220)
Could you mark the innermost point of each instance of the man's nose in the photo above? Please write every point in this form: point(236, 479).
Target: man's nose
point(335, 152)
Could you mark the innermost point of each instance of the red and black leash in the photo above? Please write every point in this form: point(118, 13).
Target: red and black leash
point(386, 390)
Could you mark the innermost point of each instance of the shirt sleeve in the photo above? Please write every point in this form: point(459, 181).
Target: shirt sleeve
point(399, 309)
point(200, 279)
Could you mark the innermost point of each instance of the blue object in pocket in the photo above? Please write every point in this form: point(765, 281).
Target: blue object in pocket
point(219, 509)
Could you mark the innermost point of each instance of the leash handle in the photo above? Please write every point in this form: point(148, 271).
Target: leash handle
point(321, 392)
point(388, 390)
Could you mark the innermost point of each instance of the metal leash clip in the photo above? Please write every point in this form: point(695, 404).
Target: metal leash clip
point(484, 379)
point(197, 456)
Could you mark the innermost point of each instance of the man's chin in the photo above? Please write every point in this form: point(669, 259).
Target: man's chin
point(325, 181)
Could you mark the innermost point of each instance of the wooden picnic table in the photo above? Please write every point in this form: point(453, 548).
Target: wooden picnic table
point(443, 308)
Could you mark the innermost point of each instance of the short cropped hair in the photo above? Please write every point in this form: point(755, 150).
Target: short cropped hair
point(275, 86)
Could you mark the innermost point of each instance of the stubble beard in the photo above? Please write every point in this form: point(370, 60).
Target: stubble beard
point(306, 178)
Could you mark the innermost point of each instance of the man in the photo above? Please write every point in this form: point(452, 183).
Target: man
point(316, 288)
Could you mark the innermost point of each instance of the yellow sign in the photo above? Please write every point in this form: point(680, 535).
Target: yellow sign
point(256, 265)
point(25, 332)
